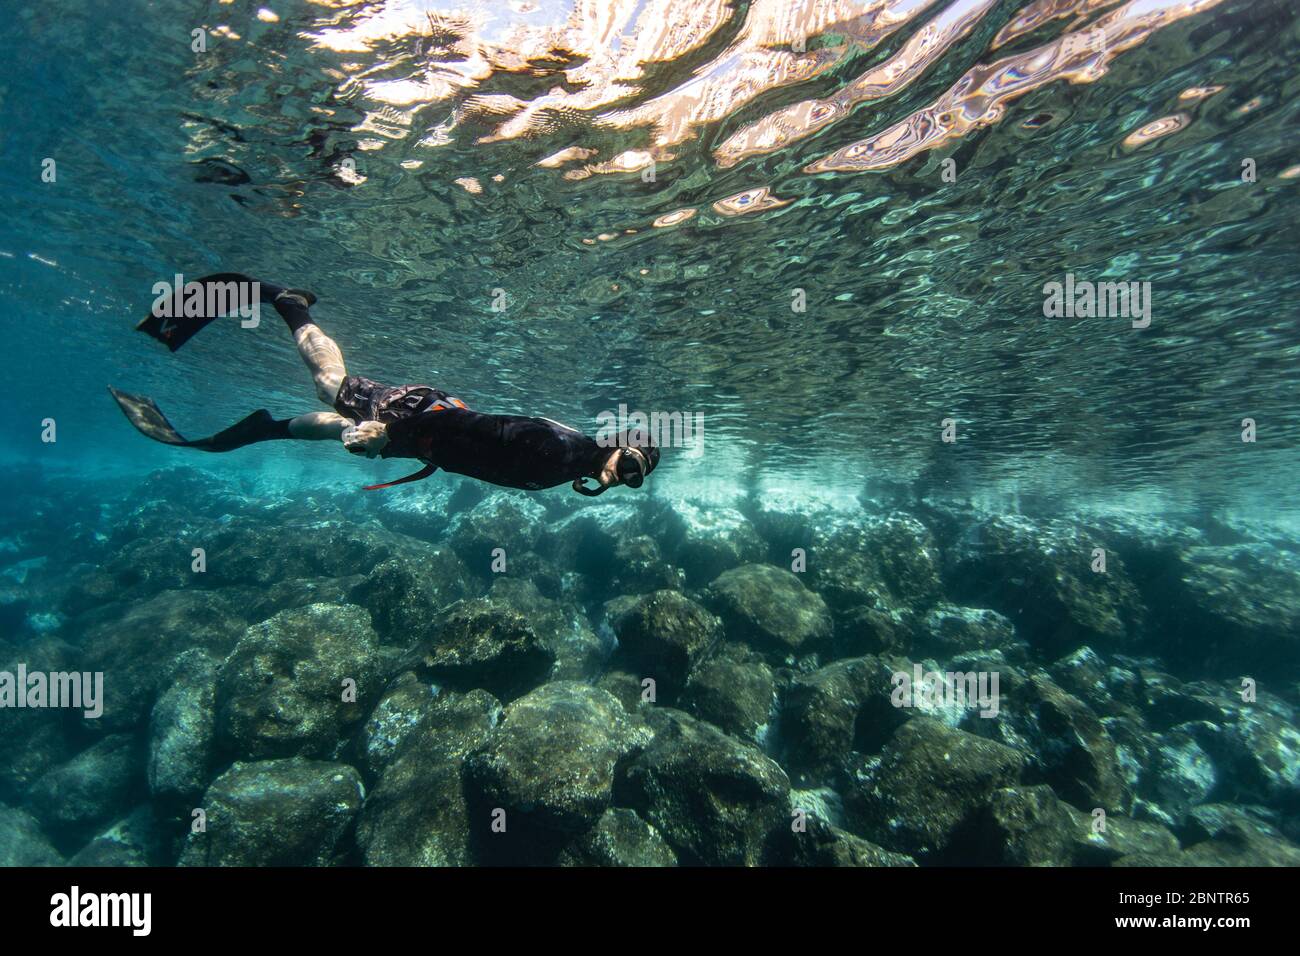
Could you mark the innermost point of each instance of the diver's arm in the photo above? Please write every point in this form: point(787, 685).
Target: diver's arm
point(318, 426)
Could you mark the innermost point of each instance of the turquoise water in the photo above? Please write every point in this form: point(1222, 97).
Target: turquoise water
point(827, 232)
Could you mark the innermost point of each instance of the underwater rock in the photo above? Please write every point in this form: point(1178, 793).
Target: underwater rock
point(926, 788)
point(736, 696)
point(840, 708)
point(705, 541)
point(882, 562)
point(663, 636)
point(549, 766)
point(512, 523)
point(823, 844)
point(416, 815)
point(35, 740)
point(1236, 606)
point(638, 567)
point(424, 513)
point(1182, 773)
point(296, 684)
point(93, 788)
point(182, 729)
point(770, 609)
point(262, 602)
point(480, 644)
point(1263, 750)
point(254, 553)
point(949, 629)
point(1065, 743)
point(1027, 826)
point(627, 688)
point(715, 799)
point(404, 594)
point(1032, 826)
point(137, 642)
point(406, 703)
point(1237, 836)
point(561, 628)
point(1106, 687)
point(21, 841)
point(132, 841)
point(291, 812)
point(1039, 574)
point(588, 539)
point(619, 838)
point(1095, 845)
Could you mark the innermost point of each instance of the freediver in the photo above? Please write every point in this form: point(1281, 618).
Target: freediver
point(404, 421)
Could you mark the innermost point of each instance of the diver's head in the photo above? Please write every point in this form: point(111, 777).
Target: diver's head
point(632, 458)
point(639, 457)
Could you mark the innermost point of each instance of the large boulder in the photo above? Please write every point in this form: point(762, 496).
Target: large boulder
point(297, 684)
point(561, 627)
point(291, 812)
point(819, 843)
point(134, 840)
point(705, 540)
point(926, 789)
point(663, 636)
point(480, 644)
point(1039, 574)
point(404, 594)
point(1234, 606)
point(770, 609)
point(737, 696)
point(619, 838)
point(715, 799)
point(886, 563)
point(21, 841)
point(416, 815)
point(549, 766)
point(93, 788)
point(183, 729)
point(1064, 742)
point(843, 707)
point(510, 522)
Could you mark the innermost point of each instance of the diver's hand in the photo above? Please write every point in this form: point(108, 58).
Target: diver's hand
point(368, 438)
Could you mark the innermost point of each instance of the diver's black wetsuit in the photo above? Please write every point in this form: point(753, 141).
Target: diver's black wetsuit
point(511, 450)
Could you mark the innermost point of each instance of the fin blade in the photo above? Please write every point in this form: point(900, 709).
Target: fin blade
point(148, 419)
point(174, 332)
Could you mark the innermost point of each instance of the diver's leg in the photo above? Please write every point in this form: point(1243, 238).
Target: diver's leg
point(319, 352)
point(318, 426)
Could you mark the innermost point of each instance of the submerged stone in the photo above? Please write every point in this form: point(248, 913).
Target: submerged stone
point(715, 800)
point(480, 644)
point(925, 789)
point(417, 815)
point(549, 767)
point(297, 684)
point(619, 838)
point(291, 812)
point(770, 609)
point(663, 636)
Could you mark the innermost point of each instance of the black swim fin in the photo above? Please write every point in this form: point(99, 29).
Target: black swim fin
point(174, 331)
point(149, 420)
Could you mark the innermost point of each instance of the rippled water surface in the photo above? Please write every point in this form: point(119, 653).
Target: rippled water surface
point(653, 188)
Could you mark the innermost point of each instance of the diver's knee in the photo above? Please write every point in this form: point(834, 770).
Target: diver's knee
point(328, 382)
